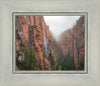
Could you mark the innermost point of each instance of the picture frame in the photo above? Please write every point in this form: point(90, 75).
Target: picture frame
point(14, 14)
point(8, 78)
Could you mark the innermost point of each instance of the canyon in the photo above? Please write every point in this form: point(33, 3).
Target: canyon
point(33, 32)
point(72, 41)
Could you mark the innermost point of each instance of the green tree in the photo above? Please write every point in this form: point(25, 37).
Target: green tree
point(66, 62)
point(29, 62)
point(81, 67)
point(52, 62)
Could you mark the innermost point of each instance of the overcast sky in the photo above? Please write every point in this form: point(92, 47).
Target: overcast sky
point(58, 24)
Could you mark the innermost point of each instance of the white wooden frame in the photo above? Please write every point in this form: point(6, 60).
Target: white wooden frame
point(50, 14)
point(8, 78)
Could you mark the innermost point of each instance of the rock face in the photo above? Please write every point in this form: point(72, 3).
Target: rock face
point(32, 31)
point(72, 42)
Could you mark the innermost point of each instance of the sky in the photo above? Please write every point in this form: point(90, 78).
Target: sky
point(58, 24)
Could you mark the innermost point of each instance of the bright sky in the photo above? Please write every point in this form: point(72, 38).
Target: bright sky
point(58, 24)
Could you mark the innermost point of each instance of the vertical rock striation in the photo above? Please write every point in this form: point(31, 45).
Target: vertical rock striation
point(72, 42)
point(32, 31)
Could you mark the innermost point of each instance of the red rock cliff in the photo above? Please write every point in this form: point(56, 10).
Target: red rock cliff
point(72, 42)
point(32, 31)
point(29, 32)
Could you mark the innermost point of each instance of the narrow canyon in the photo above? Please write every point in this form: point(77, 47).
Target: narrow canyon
point(37, 49)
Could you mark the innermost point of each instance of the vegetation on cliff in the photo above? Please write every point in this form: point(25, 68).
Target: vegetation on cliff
point(52, 62)
point(29, 60)
point(66, 63)
point(36, 48)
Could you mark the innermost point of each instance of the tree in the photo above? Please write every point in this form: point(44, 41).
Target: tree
point(29, 62)
point(66, 63)
point(51, 59)
point(81, 67)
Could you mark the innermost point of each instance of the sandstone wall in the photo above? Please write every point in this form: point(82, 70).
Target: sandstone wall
point(29, 32)
point(72, 41)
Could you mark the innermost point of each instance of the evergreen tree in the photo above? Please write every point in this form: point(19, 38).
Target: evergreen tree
point(51, 59)
point(66, 63)
point(29, 62)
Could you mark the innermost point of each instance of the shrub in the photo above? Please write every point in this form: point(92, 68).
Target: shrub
point(65, 63)
point(29, 62)
point(33, 26)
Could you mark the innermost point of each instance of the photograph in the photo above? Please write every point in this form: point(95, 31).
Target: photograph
point(49, 43)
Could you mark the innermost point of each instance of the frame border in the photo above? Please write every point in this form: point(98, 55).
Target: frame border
point(49, 14)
